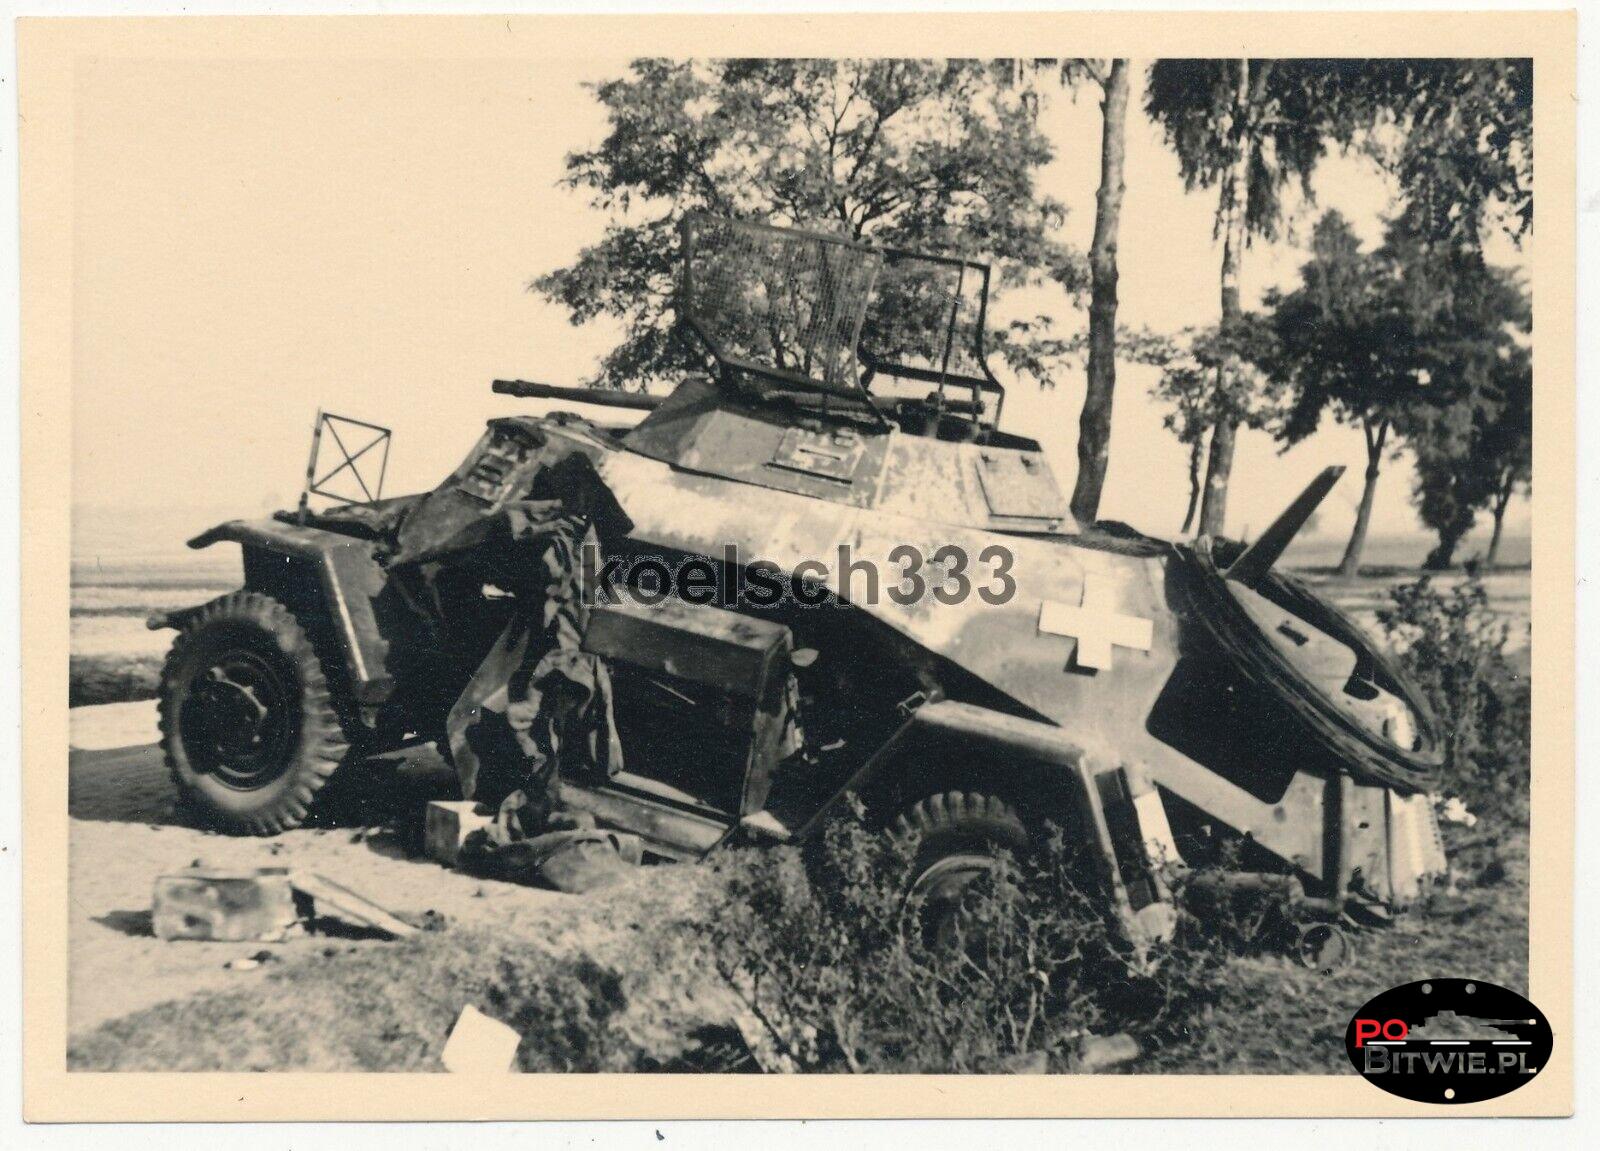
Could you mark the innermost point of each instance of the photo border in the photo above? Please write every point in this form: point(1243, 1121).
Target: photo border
point(48, 50)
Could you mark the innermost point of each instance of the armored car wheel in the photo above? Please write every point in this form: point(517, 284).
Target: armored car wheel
point(248, 724)
point(961, 836)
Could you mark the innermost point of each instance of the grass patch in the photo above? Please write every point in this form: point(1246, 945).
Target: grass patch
point(1277, 1018)
point(388, 1009)
point(627, 982)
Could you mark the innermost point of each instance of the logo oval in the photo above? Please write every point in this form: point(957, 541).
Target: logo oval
point(1448, 1041)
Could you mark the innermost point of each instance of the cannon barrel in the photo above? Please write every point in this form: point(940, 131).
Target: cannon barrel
point(644, 402)
point(603, 397)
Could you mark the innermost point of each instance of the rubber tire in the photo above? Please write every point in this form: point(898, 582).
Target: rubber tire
point(952, 827)
point(953, 822)
point(320, 745)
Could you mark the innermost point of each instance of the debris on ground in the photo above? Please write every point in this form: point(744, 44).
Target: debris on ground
point(334, 901)
point(479, 1045)
point(574, 860)
point(1102, 1052)
point(265, 904)
point(224, 905)
point(251, 962)
point(446, 825)
point(524, 842)
point(1453, 810)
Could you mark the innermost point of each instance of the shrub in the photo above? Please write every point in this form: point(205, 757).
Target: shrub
point(1454, 647)
point(822, 949)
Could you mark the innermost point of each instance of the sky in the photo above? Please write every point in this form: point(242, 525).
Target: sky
point(255, 240)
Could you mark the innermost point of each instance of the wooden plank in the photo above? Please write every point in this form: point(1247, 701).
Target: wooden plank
point(339, 902)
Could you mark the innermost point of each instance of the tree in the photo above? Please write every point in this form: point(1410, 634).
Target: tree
point(1416, 341)
point(1474, 447)
point(1456, 134)
point(1246, 128)
point(1106, 339)
point(1450, 485)
point(1187, 386)
point(1203, 396)
point(1345, 343)
point(1475, 455)
point(1506, 443)
point(923, 154)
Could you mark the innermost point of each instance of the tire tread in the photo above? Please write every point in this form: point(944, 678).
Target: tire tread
point(324, 744)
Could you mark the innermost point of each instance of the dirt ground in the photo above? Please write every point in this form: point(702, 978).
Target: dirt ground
point(124, 834)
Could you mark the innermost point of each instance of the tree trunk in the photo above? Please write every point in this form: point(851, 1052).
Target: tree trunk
point(1194, 485)
point(1450, 535)
point(1233, 211)
point(1441, 557)
point(1219, 466)
point(1094, 423)
point(1492, 556)
point(1502, 501)
point(1350, 566)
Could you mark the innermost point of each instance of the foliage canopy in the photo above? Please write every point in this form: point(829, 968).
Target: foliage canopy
point(921, 154)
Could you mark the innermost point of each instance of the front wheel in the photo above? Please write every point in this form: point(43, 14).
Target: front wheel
point(248, 725)
point(960, 838)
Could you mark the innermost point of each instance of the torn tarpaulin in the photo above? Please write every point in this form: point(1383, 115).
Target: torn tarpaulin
point(538, 706)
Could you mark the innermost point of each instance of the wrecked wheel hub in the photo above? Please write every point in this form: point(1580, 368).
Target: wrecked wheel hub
point(238, 724)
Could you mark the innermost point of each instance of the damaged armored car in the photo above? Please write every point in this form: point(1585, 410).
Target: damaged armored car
point(819, 569)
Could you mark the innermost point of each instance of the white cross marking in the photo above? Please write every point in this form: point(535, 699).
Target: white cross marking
point(1095, 624)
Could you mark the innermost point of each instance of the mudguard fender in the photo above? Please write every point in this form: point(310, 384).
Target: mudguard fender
point(348, 578)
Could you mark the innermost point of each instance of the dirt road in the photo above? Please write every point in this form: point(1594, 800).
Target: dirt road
point(124, 833)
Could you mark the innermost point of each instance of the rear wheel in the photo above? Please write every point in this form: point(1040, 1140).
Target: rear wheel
point(248, 724)
point(960, 838)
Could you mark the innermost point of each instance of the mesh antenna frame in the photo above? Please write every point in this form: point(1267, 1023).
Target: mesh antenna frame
point(318, 485)
point(810, 310)
point(928, 321)
point(780, 304)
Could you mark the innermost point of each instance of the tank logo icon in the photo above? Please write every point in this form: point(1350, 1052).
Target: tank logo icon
point(1096, 625)
point(1449, 1041)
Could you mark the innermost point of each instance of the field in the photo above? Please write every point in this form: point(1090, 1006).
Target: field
point(126, 564)
point(554, 965)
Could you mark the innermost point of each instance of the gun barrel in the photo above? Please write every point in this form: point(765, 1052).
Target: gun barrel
point(602, 397)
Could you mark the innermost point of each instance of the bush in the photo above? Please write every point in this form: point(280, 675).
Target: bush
point(1454, 647)
point(823, 951)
